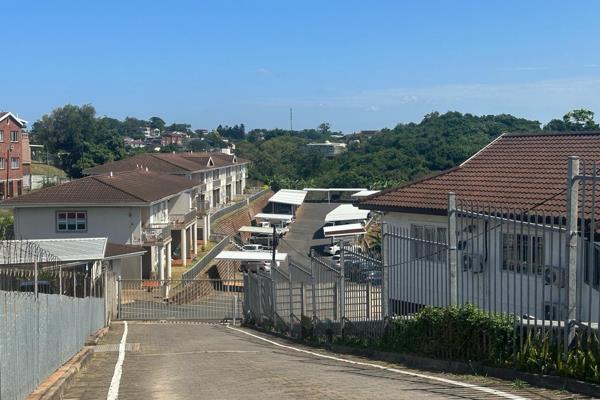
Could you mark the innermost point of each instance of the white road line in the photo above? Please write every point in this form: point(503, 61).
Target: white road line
point(398, 371)
point(113, 390)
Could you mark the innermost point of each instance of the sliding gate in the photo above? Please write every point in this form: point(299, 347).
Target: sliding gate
point(210, 300)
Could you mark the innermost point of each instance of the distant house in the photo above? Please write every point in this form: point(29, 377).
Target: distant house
point(149, 132)
point(329, 149)
point(173, 138)
point(518, 172)
point(134, 143)
point(15, 156)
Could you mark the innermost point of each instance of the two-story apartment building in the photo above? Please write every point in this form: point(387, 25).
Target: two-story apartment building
point(13, 148)
point(156, 211)
point(218, 177)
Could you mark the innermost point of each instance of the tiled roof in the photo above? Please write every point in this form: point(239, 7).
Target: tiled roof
point(120, 188)
point(169, 163)
point(518, 171)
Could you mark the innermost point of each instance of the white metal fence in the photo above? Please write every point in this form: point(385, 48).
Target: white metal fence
point(39, 334)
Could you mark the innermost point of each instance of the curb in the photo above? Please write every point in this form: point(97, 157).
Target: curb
point(54, 387)
point(56, 384)
point(457, 367)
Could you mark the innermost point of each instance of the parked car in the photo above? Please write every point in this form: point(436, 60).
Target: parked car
point(252, 247)
point(333, 249)
point(336, 260)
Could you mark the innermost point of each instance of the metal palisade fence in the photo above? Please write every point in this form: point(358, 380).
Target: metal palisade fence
point(538, 267)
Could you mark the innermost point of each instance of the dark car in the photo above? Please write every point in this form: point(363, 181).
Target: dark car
point(42, 286)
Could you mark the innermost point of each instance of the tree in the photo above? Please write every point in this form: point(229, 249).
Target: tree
point(78, 137)
point(175, 127)
point(580, 120)
point(324, 127)
point(157, 123)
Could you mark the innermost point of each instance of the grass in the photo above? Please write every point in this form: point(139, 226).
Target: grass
point(177, 271)
point(47, 170)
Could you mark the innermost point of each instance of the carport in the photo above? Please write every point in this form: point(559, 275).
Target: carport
point(343, 230)
point(287, 199)
point(346, 213)
point(328, 191)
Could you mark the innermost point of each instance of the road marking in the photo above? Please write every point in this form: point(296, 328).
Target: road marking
point(113, 390)
point(395, 370)
point(200, 352)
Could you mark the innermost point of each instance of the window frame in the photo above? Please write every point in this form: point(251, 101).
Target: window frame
point(76, 221)
point(16, 134)
point(421, 234)
point(522, 245)
point(12, 159)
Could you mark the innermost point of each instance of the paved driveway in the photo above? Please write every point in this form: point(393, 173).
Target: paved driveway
point(195, 361)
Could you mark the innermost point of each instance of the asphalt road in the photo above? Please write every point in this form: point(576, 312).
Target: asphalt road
point(306, 232)
point(195, 361)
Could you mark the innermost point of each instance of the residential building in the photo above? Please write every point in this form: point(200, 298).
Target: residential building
point(219, 178)
point(137, 208)
point(173, 138)
point(14, 154)
point(523, 173)
point(329, 149)
point(150, 132)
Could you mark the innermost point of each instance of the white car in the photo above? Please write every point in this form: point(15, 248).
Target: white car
point(333, 249)
point(336, 261)
point(252, 247)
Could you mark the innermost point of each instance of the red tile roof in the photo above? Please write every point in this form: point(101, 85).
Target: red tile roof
point(518, 171)
point(168, 163)
point(119, 189)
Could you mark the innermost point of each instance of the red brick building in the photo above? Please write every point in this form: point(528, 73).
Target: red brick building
point(14, 153)
point(175, 138)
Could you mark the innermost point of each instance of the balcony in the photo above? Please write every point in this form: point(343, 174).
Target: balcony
point(202, 207)
point(181, 221)
point(156, 234)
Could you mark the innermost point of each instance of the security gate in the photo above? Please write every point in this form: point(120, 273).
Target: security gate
point(210, 300)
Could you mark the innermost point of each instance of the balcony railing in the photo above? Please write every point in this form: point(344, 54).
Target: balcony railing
point(202, 207)
point(156, 234)
point(179, 221)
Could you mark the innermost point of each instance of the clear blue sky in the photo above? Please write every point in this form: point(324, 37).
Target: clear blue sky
point(356, 64)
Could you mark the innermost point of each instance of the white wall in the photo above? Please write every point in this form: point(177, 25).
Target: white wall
point(426, 282)
point(120, 224)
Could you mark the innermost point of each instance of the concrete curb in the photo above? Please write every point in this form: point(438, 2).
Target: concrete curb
point(457, 367)
point(56, 384)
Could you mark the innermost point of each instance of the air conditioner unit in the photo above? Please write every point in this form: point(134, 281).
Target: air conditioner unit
point(473, 262)
point(555, 276)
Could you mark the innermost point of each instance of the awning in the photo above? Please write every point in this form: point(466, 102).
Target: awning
point(275, 217)
point(364, 193)
point(256, 229)
point(344, 230)
point(288, 196)
point(255, 256)
point(347, 212)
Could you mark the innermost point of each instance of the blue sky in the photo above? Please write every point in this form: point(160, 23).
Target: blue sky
point(355, 64)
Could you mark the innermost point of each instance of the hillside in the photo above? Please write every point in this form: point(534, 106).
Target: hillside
point(389, 158)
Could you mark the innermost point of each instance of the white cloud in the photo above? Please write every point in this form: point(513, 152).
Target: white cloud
point(263, 71)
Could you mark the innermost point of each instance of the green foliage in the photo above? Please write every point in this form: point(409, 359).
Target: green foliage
point(6, 225)
point(80, 139)
point(394, 156)
point(458, 333)
point(576, 120)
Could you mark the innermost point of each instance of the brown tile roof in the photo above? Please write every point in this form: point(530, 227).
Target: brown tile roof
point(114, 249)
point(519, 171)
point(120, 188)
point(169, 163)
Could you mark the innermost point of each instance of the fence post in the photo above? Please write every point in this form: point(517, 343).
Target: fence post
point(314, 286)
point(342, 296)
point(105, 294)
point(368, 314)
point(571, 250)
point(452, 251)
point(302, 299)
point(291, 300)
point(385, 287)
point(234, 308)
point(119, 297)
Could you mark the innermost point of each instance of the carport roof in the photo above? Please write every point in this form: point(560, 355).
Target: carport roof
point(277, 217)
point(250, 256)
point(344, 230)
point(346, 212)
point(256, 229)
point(289, 196)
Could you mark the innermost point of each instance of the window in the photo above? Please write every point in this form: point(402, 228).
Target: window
point(2, 164)
point(71, 221)
point(14, 162)
point(216, 174)
point(1, 135)
point(522, 253)
point(14, 136)
point(428, 242)
point(228, 171)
